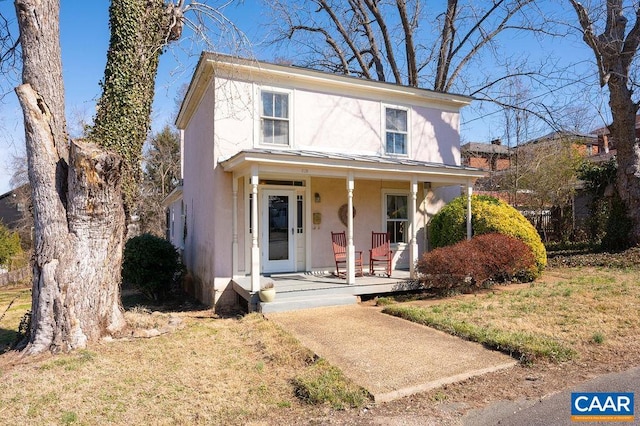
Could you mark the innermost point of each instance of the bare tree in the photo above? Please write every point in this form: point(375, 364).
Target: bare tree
point(391, 40)
point(22, 200)
point(9, 54)
point(79, 206)
point(615, 50)
point(161, 176)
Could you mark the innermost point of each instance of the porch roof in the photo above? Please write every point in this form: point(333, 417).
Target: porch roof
point(317, 163)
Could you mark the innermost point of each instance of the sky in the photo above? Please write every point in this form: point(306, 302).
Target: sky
point(84, 39)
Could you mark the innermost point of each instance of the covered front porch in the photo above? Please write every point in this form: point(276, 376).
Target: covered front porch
point(286, 204)
point(315, 289)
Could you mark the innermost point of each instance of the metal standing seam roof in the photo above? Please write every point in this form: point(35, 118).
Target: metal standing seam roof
point(358, 158)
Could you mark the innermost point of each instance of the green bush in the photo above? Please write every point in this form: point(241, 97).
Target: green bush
point(609, 223)
point(488, 215)
point(151, 264)
point(9, 246)
point(483, 259)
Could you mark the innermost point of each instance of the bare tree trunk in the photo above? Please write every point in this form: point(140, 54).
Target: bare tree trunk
point(78, 204)
point(623, 131)
point(408, 26)
point(446, 45)
point(614, 52)
point(78, 247)
point(79, 218)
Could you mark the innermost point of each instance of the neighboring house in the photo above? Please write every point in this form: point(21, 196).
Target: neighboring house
point(277, 157)
point(586, 144)
point(11, 211)
point(491, 157)
point(607, 144)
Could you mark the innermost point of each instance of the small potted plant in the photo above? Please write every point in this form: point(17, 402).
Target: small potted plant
point(267, 292)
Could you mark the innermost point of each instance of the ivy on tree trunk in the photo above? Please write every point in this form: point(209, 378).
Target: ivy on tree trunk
point(76, 185)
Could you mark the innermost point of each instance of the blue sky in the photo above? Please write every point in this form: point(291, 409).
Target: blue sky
point(85, 36)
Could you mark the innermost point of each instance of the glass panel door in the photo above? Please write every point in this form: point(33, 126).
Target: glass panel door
point(278, 231)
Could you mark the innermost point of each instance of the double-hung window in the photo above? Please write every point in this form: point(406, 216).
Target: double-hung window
point(396, 207)
point(274, 118)
point(396, 131)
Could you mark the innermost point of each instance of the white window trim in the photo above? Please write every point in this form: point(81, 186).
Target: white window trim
point(384, 193)
point(383, 132)
point(257, 133)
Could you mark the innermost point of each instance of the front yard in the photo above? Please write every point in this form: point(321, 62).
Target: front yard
point(566, 314)
point(245, 370)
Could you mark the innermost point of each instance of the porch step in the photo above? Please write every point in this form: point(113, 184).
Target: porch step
point(297, 303)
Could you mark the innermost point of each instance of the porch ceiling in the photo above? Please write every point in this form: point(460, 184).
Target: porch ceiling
point(316, 163)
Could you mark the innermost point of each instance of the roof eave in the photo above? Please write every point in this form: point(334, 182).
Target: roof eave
point(244, 159)
point(213, 63)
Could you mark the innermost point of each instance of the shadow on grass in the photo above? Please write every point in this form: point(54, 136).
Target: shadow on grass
point(7, 339)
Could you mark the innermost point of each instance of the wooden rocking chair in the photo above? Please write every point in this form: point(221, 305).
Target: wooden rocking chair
point(380, 252)
point(339, 243)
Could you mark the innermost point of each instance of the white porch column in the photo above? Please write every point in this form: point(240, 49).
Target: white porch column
point(351, 251)
point(413, 227)
point(234, 228)
point(469, 193)
point(255, 248)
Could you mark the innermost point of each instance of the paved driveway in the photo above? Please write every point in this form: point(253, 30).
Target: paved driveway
point(388, 356)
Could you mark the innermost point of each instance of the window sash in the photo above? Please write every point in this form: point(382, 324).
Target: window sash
point(396, 130)
point(396, 143)
point(397, 218)
point(274, 118)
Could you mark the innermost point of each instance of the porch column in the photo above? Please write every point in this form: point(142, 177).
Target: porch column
point(351, 251)
point(255, 249)
point(469, 193)
point(234, 228)
point(413, 227)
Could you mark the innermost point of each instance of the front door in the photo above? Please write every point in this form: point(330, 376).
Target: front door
point(278, 231)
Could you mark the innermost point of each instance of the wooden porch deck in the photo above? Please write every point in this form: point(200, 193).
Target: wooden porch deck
point(303, 290)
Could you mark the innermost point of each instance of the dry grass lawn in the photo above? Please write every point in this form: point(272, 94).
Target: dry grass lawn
point(243, 370)
point(586, 309)
point(210, 371)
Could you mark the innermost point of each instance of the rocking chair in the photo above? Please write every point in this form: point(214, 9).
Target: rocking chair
point(339, 243)
point(380, 253)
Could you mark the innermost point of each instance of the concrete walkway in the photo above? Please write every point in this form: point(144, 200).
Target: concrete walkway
point(388, 356)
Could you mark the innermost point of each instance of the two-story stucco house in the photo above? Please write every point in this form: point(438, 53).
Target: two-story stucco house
point(277, 157)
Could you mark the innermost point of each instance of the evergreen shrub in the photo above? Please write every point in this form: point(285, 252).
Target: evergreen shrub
point(488, 215)
point(487, 258)
point(9, 246)
point(151, 264)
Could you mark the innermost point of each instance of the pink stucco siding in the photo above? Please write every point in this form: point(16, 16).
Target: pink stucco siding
point(331, 122)
point(221, 122)
point(208, 205)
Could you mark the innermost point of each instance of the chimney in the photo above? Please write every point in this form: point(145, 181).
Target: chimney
point(496, 142)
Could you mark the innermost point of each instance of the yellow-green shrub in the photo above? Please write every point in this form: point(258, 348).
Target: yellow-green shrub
point(488, 215)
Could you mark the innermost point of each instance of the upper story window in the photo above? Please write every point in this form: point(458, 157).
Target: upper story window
point(396, 131)
point(274, 118)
